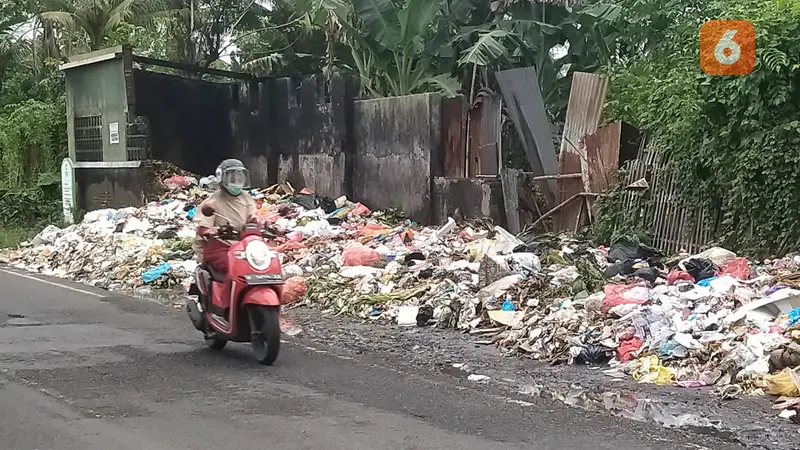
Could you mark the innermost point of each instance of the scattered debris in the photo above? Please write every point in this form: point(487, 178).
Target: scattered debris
point(711, 321)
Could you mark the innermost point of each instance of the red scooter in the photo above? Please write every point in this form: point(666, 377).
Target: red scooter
point(244, 304)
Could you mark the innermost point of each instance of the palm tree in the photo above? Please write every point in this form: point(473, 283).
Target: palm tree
point(10, 46)
point(98, 18)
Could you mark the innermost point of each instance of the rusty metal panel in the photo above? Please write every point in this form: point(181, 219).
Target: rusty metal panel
point(568, 218)
point(454, 123)
point(602, 156)
point(584, 112)
point(525, 105)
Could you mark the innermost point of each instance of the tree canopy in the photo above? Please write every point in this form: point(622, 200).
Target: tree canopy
point(737, 139)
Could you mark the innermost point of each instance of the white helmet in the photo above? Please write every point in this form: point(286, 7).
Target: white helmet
point(233, 176)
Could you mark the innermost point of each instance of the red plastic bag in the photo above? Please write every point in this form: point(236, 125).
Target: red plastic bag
point(293, 289)
point(628, 348)
point(620, 294)
point(360, 256)
point(677, 275)
point(738, 268)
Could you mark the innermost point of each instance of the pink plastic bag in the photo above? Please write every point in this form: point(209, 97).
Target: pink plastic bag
point(295, 236)
point(360, 256)
point(360, 210)
point(175, 182)
point(293, 289)
point(620, 294)
point(738, 268)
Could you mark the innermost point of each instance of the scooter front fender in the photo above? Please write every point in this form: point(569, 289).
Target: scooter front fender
point(261, 295)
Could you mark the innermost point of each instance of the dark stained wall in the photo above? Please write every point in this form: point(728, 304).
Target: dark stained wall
point(100, 188)
point(398, 148)
point(188, 119)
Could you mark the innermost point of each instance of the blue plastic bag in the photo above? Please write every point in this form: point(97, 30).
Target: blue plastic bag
point(507, 306)
point(706, 282)
point(794, 317)
point(192, 212)
point(155, 273)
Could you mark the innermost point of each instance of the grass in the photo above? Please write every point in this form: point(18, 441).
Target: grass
point(12, 237)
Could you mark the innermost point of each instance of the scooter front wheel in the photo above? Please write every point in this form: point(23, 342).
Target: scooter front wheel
point(216, 344)
point(266, 332)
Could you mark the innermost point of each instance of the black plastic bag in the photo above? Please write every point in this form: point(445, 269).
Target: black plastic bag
point(625, 249)
point(700, 269)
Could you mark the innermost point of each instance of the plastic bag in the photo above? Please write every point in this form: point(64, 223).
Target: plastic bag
point(360, 256)
point(717, 255)
point(360, 210)
point(628, 348)
point(156, 272)
point(651, 371)
point(620, 294)
point(174, 182)
point(784, 383)
point(677, 275)
point(288, 246)
point(738, 268)
point(293, 289)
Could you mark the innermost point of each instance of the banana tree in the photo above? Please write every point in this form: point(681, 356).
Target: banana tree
point(557, 41)
point(395, 50)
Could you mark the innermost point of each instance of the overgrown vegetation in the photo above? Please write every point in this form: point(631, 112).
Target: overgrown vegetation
point(736, 140)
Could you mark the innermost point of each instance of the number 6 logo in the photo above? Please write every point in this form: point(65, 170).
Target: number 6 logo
point(727, 47)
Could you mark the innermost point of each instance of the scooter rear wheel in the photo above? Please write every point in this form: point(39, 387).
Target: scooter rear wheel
point(266, 332)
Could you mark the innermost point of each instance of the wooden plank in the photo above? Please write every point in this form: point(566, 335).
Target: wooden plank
point(508, 178)
point(490, 137)
point(454, 123)
point(474, 141)
point(488, 161)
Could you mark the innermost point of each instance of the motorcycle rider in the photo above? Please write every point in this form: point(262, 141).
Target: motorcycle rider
point(229, 201)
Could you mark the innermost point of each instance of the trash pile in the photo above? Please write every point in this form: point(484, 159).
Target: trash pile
point(711, 319)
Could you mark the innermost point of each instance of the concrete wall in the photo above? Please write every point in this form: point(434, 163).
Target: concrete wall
point(188, 119)
point(316, 156)
point(397, 141)
point(386, 153)
point(98, 89)
point(289, 130)
point(99, 188)
point(467, 198)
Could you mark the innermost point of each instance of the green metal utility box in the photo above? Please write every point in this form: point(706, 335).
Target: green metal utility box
point(106, 147)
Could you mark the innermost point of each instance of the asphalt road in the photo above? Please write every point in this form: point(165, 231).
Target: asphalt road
point(82, 370)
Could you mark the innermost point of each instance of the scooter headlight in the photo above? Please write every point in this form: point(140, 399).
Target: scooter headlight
point(258, 255)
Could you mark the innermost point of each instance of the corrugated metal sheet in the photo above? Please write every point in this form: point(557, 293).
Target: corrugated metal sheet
point(584, 111)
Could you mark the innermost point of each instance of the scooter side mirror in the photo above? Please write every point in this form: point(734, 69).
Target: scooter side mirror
point(208, 211)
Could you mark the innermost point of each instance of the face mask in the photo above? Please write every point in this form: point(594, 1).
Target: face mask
point(234, 189)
